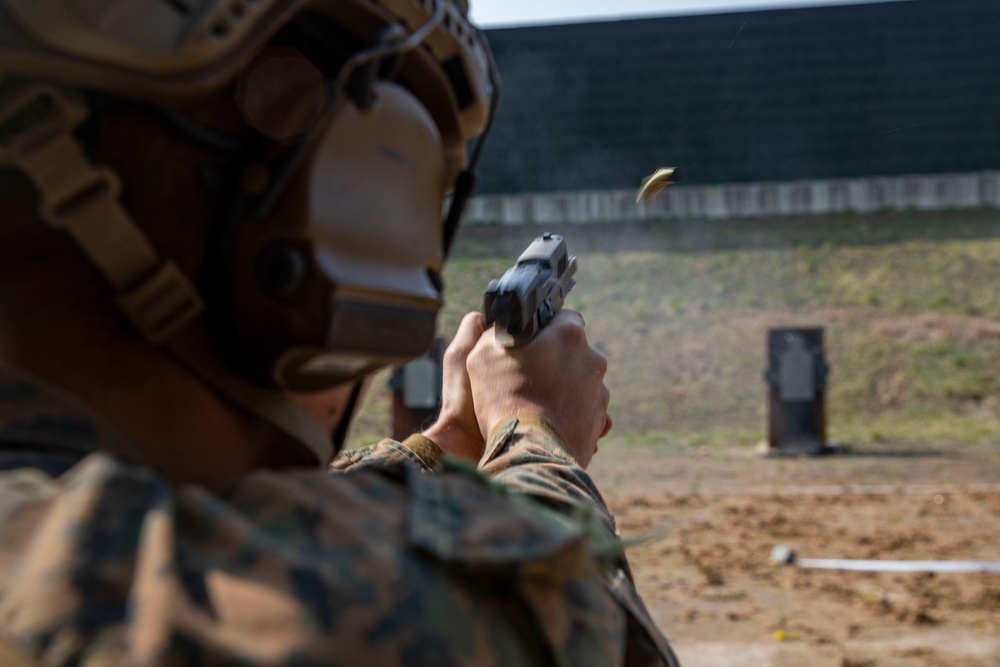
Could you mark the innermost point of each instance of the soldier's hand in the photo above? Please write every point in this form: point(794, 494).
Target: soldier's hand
point(557, 376)
point(456, 430)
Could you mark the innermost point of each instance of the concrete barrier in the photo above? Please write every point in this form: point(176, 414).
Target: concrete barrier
point(745, 200)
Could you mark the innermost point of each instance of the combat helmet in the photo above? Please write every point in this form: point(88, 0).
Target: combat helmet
point(381, 109)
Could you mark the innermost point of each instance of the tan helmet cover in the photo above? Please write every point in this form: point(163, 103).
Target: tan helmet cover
point(167, 50)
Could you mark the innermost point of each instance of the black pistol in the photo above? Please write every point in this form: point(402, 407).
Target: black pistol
point(531, 292)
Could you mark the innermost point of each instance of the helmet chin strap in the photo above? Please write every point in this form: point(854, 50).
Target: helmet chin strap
point(36, 137)
point(346, 419)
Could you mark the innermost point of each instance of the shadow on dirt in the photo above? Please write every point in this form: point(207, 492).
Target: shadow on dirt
point(869, 453)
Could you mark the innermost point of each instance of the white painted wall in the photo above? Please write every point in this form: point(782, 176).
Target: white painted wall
point(745, 200)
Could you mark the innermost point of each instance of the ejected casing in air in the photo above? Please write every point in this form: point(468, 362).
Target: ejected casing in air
point(653, 185)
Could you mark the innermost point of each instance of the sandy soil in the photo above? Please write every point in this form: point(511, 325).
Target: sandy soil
point(713, 517)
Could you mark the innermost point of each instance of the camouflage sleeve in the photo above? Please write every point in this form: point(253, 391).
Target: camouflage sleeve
point(108, 563)
point(416, 451)
point(526, 455)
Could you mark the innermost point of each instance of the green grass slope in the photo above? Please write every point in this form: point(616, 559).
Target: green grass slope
point(910, 303)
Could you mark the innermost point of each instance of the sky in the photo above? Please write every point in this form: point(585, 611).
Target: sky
point(491, 13)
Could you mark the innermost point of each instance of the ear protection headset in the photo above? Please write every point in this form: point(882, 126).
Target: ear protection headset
point(320, 272)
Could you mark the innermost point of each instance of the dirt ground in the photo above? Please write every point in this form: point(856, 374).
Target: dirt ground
point(909, 304)
point(712, 518)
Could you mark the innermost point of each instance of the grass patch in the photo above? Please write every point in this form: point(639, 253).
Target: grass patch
point(907, 300)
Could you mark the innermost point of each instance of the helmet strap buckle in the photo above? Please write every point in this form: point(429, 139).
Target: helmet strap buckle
point(36, 136)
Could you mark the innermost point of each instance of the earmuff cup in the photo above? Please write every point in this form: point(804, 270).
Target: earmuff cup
point(334, 281)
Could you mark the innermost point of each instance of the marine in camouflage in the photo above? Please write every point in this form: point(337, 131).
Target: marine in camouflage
point(398, 557)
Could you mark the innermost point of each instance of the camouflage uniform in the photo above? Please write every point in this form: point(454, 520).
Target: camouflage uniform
point(103, 562)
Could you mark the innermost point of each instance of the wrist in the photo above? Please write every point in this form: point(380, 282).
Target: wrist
point(448, 434)
point(495, 416)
